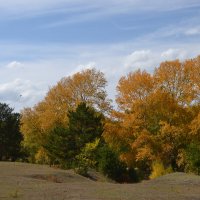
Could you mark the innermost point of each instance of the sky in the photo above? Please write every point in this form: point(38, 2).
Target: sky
point(42, 41)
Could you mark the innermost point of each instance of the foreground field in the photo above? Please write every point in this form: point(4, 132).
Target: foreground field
point(28, 181)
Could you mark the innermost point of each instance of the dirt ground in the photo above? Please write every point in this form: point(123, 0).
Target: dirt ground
point(38, 182)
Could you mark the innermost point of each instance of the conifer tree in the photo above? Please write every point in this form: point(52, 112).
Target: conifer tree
point(10, 136)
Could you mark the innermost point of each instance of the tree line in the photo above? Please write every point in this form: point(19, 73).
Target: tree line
point(155, 129)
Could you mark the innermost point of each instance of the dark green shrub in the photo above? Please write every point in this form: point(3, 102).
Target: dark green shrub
point(193, 158)
point(110, 165)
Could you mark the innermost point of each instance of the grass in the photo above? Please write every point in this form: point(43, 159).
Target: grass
point(29, 181)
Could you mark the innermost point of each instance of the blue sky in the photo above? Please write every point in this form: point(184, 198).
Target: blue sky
point(43, 41)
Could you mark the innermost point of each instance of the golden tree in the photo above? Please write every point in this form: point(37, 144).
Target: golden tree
point(86, 86)
point(157, 113)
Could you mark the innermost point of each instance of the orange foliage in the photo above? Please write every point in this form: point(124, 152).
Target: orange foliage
point(158, 114)
point(133, 87)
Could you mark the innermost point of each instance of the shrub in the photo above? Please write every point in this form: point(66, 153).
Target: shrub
point(193, 158)
point(86, 159)
point(110, 165)
point(158, 169)
point(41, 157)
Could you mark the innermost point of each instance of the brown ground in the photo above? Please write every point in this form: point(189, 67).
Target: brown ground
point(28, 181)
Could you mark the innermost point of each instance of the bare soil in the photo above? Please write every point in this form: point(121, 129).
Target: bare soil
point(28, 181)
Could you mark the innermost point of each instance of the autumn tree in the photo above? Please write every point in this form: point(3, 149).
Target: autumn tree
point(33, 134)
point(87, 86)
point(157, 115)
point(179, 79)
point(133, 87)
point(150, 131)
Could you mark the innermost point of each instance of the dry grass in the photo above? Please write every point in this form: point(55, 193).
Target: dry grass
point(28, 182)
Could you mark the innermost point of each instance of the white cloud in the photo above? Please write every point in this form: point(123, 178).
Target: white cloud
point(33, 80)
point(140, 56)
point(89, 65)
point(193, 31)
point(81, 67)
point(149, 59)
point(139, 59)
point(20, 93)
point(172, 54)
point(14, 65)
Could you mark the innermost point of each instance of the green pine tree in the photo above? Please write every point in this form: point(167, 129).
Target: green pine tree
point(64, 144)
point(85, 124)
point(10, 136)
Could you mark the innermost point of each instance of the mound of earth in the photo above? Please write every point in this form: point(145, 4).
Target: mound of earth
point(29, 181)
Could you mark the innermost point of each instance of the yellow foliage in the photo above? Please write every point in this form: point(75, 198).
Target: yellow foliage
point(158, 169)
point(195, 127)
point(91, 146)
point(41, 157)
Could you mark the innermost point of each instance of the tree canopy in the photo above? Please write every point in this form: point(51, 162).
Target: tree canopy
point(84, 126)
point(158, 114)
point(87, 86)
point(156, 124)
